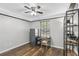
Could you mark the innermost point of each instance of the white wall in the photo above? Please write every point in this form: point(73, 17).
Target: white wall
point(13, 32)
point(56, 31)
point(35, 25)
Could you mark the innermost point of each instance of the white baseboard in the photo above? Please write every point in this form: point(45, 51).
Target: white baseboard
point(56, 46)
point(13, 47)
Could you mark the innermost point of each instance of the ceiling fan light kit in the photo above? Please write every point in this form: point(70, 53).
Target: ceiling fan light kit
point(33, 13)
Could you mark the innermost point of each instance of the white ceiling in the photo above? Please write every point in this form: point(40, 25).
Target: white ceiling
point(49, 9)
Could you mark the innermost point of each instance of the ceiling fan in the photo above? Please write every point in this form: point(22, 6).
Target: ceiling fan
point(33, 9)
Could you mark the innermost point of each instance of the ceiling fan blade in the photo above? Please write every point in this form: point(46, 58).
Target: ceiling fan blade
point(27, 7)
point(27, 12)
point(40, 12)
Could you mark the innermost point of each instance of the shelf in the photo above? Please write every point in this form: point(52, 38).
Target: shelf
point(71, 14)
point(71, 25)
point(68, 31)
point(71, 42)
point(71, 53)
point(71, 11)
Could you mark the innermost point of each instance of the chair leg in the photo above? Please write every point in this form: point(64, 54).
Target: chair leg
point(46, 48)
point(42, 49)
point(41, 45)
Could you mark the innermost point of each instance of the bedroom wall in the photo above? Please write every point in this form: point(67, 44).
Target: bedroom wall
point(56, 31)
point(13, 33)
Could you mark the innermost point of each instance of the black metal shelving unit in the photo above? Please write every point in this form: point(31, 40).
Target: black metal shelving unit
point(70, 39)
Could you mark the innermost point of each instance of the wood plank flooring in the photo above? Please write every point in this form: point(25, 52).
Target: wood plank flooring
point(28, 50)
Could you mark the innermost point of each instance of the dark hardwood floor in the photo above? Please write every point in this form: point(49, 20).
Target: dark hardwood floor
point(28, 50)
